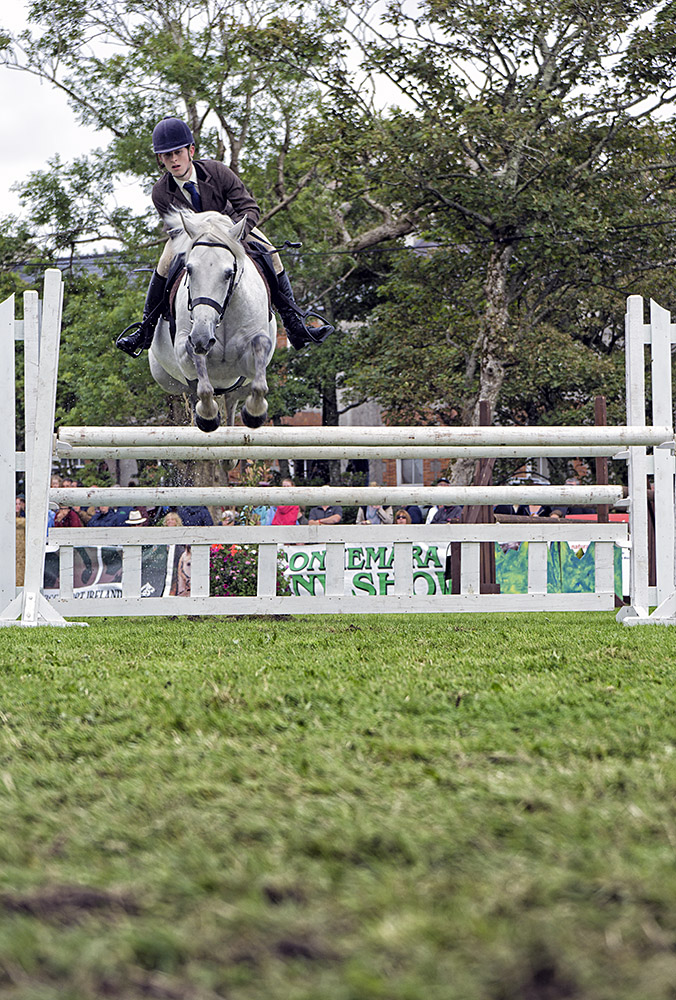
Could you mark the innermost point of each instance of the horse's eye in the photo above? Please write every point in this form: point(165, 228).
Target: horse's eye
point(188, 268)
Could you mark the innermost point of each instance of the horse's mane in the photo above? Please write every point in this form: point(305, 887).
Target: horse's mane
point(202, 225)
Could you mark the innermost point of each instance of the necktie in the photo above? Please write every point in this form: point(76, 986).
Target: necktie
point(191, 188)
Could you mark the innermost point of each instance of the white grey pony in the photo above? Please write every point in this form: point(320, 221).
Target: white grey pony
point(225, 330)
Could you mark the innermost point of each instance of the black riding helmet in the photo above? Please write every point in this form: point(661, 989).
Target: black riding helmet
point(171, 134)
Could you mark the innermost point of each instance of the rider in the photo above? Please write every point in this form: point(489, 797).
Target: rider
point(208, 185)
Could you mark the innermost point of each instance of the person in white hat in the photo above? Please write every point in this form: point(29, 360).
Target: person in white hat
point(136, 519)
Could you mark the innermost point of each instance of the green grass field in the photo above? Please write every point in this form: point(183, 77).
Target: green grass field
point(409, 808)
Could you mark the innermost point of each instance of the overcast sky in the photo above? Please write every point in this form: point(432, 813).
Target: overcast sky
point(36, 123)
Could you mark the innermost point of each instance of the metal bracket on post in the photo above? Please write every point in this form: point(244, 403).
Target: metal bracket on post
point(29, 610)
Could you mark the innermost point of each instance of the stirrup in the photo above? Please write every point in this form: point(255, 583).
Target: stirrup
point(317, 334)
point(133, 352)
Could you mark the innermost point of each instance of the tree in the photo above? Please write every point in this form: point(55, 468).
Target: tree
point(209, 62)
point(528, 148)
point(525, 150)
point(125, 68)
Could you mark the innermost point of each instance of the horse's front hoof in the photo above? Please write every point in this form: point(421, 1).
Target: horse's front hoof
point(249, 420)
point(207, 425)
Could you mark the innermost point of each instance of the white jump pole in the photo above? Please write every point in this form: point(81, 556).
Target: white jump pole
point(576, 438)
point(170, 453)
point(395, 496)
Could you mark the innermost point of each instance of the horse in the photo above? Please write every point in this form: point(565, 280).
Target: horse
point(225, 329)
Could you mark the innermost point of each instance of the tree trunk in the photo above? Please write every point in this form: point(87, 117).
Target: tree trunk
point(330, 419)
point(495, 347)
point(495, 339)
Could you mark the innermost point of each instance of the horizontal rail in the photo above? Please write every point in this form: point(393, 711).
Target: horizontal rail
point(174, 496)
point(349, 437)
point(350, 534)
point(392, 604)
point(309, 452)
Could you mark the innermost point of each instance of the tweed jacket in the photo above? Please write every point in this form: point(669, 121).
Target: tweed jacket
point(220, 189)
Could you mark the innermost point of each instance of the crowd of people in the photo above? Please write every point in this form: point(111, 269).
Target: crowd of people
point(376, 514)
point(282, 514)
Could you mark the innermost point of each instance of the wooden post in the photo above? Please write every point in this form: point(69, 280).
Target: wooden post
point(483, 476)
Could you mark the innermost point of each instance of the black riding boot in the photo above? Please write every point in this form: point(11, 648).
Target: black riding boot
point(139, 336)
point(293, 317)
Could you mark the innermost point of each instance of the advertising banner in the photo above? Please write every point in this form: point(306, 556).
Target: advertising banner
point(369, 569)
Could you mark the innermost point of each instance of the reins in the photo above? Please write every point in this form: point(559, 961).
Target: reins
point(203, 300)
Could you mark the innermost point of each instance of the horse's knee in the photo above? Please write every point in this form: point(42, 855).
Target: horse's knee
point(259, 386)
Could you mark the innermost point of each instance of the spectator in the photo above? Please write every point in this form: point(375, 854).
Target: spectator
point(286, 514)
point(172, 520)
point(68, 517)
point(146, 512)
point(447, 515)
point(107, 517)
point(504, 508)
point(20, 539)
point(136, 519)
point(264, 513)
point(574, 481)
point(431, 513)
point(374, 513)
point(325, 514)
point(540, 510)
point(415, 514)
point(195, 516)
point(403, 517)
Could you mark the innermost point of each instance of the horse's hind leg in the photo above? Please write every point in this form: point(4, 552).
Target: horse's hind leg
point(255, 408)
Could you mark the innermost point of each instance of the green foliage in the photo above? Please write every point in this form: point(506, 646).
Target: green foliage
point(233, 571)
point(93, 474)
point(533, 144)
point(518, 149)
point(97, 384)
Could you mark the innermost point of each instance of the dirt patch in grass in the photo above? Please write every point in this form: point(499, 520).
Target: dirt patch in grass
point(69, 904)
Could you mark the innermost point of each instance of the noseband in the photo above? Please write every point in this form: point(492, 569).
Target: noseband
point(203, 300)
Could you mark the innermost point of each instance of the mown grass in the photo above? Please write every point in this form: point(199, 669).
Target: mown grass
point(344, 808)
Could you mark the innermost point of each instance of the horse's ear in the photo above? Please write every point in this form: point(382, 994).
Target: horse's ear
point(190, 226)
point(173, 220)
point(238, 232)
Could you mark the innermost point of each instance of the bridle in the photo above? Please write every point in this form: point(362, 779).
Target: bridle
point(203, 300)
